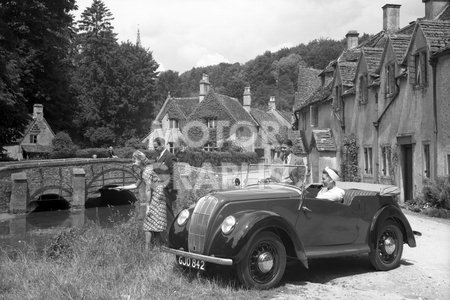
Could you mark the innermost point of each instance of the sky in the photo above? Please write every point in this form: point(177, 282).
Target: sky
point(183, 34)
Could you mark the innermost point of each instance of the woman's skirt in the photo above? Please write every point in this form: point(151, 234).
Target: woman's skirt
point(156, 218)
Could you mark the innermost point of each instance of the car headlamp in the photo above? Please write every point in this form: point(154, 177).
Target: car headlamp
point(182, 217)
point(228, 224)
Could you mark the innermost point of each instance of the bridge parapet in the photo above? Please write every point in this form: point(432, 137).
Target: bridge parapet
point(62, 177)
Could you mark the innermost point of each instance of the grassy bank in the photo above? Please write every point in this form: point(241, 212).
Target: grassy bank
point(107, 263)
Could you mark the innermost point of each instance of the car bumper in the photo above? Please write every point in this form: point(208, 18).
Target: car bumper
point(210, 259)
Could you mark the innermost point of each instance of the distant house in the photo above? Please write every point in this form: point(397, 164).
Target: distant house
point(391, 92)
point(211, 119)
point(36, 140)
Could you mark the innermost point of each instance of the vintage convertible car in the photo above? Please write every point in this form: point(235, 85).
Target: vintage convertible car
point(256, 228)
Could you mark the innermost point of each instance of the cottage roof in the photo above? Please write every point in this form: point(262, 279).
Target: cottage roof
point(445, 14)
point(372, 57)
point(321, 94)
point(436, 32)
point(177, 108)
point(36, 148)
point(400, 44)
point(323, 140)
point(347, 71)
point(233, 106)
point(308, 82)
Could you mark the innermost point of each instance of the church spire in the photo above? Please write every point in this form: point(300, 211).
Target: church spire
point(138, 39)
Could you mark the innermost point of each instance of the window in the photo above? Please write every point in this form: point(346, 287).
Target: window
point(211, 146)
point(363, 90)
point(173, 123)
point(211, 123)
point(418, 69)
point(314, 115)
point(390, 79)
point(386, 160)
point(171, 147)
point(426, 160)
point(33, 138)
point(368, 160)
point(303, 120)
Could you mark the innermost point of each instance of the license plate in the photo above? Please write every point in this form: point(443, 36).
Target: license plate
point(191, 263)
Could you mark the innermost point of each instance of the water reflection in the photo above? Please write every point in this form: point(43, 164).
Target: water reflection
point(37, 227)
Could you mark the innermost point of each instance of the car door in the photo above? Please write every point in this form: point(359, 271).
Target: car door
point(326, 223)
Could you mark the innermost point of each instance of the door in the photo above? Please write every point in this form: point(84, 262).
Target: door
point(407, 167)
point(326, 223)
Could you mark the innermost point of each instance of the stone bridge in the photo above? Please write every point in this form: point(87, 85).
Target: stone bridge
point(74, 180)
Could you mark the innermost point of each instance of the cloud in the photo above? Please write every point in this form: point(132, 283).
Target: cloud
point(211, 59)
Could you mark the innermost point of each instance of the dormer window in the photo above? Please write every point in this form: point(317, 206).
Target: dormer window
point(173, 123)
point(363, 90)
point(314, 115)
point(390, 79)
point(211, 123)
point(418, 69)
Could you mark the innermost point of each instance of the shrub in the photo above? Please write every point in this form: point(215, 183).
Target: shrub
point(63, 147)
point(435, 196)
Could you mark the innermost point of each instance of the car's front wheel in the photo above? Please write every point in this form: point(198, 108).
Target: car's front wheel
point(388, 249)
point(264, 262)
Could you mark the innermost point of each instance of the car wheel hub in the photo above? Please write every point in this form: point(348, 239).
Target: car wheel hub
point(389, 245)
point(265, 262)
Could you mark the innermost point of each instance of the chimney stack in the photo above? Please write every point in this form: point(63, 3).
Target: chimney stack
point(272, 104)
point(352, 39)
point(204, 87)
point(391, 17)
point(247, 99)
point(433, 8)
point(38, 112)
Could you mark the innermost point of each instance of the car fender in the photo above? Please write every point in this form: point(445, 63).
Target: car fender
point(248, 224)
point(394, 213)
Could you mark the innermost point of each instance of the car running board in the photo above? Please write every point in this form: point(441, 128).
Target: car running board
point(332, 251)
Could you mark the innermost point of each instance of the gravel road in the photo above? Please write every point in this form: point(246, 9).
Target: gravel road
point(424, 272)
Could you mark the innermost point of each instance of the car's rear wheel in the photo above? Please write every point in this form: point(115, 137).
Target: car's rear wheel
point(264, 262)
point(388, 249)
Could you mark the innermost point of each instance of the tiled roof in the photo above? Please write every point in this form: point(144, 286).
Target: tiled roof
point(400, 44)
point(186, 105)
point(35, 148)
point(298, 141)
point(436, 32)
point(408, 29)
point(178, 108)
point(347, 70)
point(351, 55)
point(319, 96)
point(324, 140)
point(262, 115)
point(308, 82)
point(234, 107)
point(373, 57)
point(376, 41)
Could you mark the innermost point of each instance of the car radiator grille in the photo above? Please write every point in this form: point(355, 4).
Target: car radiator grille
point(199, 223)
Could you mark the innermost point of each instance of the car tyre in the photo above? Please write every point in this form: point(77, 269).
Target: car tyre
point(264, 262)
point(388, 249)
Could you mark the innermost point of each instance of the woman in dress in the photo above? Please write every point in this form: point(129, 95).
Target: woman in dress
point(155, 220)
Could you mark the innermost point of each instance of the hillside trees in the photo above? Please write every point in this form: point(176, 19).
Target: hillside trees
point(35, 44)
point(115, 84)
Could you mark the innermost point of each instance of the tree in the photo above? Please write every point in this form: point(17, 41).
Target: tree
point(35, 46)
point(63, 146)
point(168, 82)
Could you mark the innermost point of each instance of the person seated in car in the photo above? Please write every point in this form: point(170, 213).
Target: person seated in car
point(330, 191)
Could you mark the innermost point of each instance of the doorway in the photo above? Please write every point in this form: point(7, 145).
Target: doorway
point(407, 167)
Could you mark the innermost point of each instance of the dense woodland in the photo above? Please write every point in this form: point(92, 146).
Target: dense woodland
point(101, 91)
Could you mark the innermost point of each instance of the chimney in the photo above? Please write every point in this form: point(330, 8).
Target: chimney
point(38, 112)
point(433, 8)
point(352, 39)
point(247, 99)
point(272, 104)
point(204, 87)
point(391, 17)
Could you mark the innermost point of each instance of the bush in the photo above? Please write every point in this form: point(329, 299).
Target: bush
point(196, 157)
point(435, 197)
point(63, 147)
